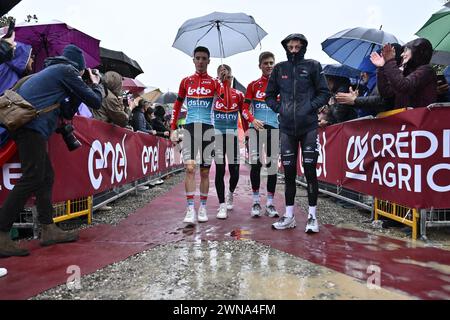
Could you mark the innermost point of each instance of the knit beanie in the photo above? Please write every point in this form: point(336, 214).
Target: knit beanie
point(74, 54)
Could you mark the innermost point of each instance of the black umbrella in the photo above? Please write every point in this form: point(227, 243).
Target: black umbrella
point(6, 5)
point(167, 98)
point(119, 62)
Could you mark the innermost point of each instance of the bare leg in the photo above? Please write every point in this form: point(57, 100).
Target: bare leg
point(204, 185)
point(190, 177)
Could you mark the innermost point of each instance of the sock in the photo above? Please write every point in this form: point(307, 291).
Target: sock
point(270, 197)
point(312, 212)
point(190, 200)
point(256, 198)
point(290, 211)
point(203, 200)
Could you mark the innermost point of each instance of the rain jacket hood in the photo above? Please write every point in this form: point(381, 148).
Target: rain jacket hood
point(12, 71)
point(422, 52)
point(293, 57)
point(113, 82)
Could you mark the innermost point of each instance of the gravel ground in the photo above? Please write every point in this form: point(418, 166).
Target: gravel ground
point(237, 270)
point(157, 275)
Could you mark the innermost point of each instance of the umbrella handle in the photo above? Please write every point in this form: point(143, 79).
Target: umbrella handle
point(221, 47)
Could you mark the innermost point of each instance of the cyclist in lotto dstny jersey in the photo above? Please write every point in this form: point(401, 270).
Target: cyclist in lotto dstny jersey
point(226, 121)
point(200, 91)
point(263, 131)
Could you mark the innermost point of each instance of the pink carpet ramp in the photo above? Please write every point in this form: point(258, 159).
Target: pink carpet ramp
point(417, 271)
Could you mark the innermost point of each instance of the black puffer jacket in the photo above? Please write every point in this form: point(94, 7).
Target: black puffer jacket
point(302, 88)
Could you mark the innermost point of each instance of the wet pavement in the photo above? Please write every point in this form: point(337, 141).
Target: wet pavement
point(150, 255)
point(237, 270)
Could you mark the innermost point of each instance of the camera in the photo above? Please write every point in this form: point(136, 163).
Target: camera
point(66, 130)
point(87, 77)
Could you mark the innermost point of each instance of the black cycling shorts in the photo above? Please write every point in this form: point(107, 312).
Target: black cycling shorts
point(290, 147)
point(198, 138)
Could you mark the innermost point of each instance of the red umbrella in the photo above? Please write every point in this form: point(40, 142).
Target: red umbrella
point(132, 85)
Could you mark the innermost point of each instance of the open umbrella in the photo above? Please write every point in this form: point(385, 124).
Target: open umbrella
point(339, 70)
point(50, 39)
point(6, 5)
point(224, 34)
point(350, 46)
point(441, 57)
point(167, 98)
point(132, 85)
point(436, 29)
point(119, 62)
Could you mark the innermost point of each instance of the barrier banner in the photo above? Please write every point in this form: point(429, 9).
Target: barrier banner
point(404, 158)
point(110, 157)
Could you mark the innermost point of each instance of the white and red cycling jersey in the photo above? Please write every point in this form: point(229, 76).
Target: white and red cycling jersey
point(200, 92)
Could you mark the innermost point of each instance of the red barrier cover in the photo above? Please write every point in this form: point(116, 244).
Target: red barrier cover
point(404, 158)
point(110, 157)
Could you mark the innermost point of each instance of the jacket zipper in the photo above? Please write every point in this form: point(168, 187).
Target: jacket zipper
point(295, 93)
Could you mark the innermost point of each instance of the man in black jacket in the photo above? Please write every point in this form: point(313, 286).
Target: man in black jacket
point(302, 89)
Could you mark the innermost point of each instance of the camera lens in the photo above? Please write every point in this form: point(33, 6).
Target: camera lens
point(71, 141)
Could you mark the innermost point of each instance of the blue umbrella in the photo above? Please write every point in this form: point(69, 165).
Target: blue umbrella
point(350, 46)
point(224, 34)
point(339, 70)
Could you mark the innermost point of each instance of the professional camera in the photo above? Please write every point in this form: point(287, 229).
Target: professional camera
point(66, 130)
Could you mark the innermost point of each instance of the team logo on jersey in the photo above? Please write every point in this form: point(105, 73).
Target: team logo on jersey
point(200, 91)
point(260, 94)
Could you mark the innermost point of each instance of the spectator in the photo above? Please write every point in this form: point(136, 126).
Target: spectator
point(7, 47)
point(159, 122)
point(18, 67)
point(370, 103)
point(138, 121)
point(415, 84)
point(61, 78)
point(113, 110)
point(335, 112)
point(443, 86)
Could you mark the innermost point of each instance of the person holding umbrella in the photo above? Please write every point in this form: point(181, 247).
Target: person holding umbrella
point(227, 143)
point(264, 125)
point(302, 89)
point(200, 90)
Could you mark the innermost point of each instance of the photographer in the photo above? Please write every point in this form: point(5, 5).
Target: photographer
point(59, 80)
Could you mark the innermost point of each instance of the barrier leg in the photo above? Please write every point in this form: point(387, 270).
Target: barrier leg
point(423, 225)
point(34, 214)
